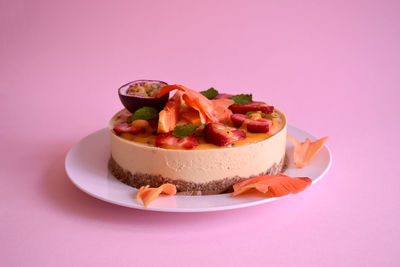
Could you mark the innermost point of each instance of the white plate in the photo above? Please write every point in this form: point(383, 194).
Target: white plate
point(86, 166)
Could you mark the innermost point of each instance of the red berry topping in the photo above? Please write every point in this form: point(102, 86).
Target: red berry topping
point(253, 124)
point(168, 140)
point(238, 119)
point(127, 128)
point(253, 106)
point(259, 126)
point(221, 135)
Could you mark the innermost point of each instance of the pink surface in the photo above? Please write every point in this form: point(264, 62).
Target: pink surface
point(332, 66)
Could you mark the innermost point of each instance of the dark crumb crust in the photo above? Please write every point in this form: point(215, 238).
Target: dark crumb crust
point(186, 188)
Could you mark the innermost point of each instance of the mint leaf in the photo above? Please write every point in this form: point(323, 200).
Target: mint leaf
point(144, 113)
point(210, 93)
point(242, 99)
point(264, 115)
point(184, 130)
point(269, 116)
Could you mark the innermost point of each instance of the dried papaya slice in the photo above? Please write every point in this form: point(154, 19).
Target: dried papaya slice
point(194, 100)
point(169, 116)
point(305, 151)
point(221, 108)
point(272, 186)
point(148, 194)
point(192, 116)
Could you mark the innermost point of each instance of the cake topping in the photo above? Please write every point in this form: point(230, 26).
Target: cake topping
point(148, 194)
point(222, 111)
point(145, 88)
point(198, 109)
point(263, 115)
point(127, 128)
point(188, 113)
point(194, 100)
point(168, 140)
point(258, 126)
point(168, 117)
point(242, 99)
point(140, 93)
point(305, 151)
point(253, 106)
point(254, 123)
point(210, 93)
point(184, 130)
point(272, 186)
point(145, 113)
point(222, 135)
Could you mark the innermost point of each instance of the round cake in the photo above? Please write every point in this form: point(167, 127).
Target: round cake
point(202, 143)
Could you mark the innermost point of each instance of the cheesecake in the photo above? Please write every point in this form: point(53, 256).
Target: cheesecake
point(200, 143)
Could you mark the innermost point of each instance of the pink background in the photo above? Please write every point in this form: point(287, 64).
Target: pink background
point(332, 66)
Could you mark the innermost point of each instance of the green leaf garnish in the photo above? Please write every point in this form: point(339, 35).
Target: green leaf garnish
point(184, 130)
point(210, 93)
point(144, 113)
point(242, 99)
point(264, 115)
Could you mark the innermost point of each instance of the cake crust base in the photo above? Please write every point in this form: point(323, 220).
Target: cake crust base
point(183, 187)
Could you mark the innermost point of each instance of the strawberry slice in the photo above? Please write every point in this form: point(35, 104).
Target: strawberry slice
point(238, 119)
point(168, 140)
point(221, 135)
point(127, 128)
point(253, 106)
point(259, 126)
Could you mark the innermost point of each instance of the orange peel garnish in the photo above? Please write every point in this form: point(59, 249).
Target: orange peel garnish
point(272, 186)
point(148, 194)
point(305, 151)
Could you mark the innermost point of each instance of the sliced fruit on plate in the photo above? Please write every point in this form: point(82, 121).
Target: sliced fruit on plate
point(272, 186)
point(253, 106)
point(305, 151)
point(221, 135)
point(148, 194)
point(168, 140)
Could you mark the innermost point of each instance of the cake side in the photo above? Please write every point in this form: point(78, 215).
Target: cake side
point(183, 186)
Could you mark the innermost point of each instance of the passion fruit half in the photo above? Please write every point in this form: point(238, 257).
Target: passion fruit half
point(133, 101)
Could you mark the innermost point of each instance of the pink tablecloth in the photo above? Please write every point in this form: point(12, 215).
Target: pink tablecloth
point(332, 66)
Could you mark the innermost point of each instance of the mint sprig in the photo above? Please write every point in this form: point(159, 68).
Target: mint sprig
point(144, 113)
point(263, 115)
point(210, 93)
point(242, 99)
point(184, 130)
